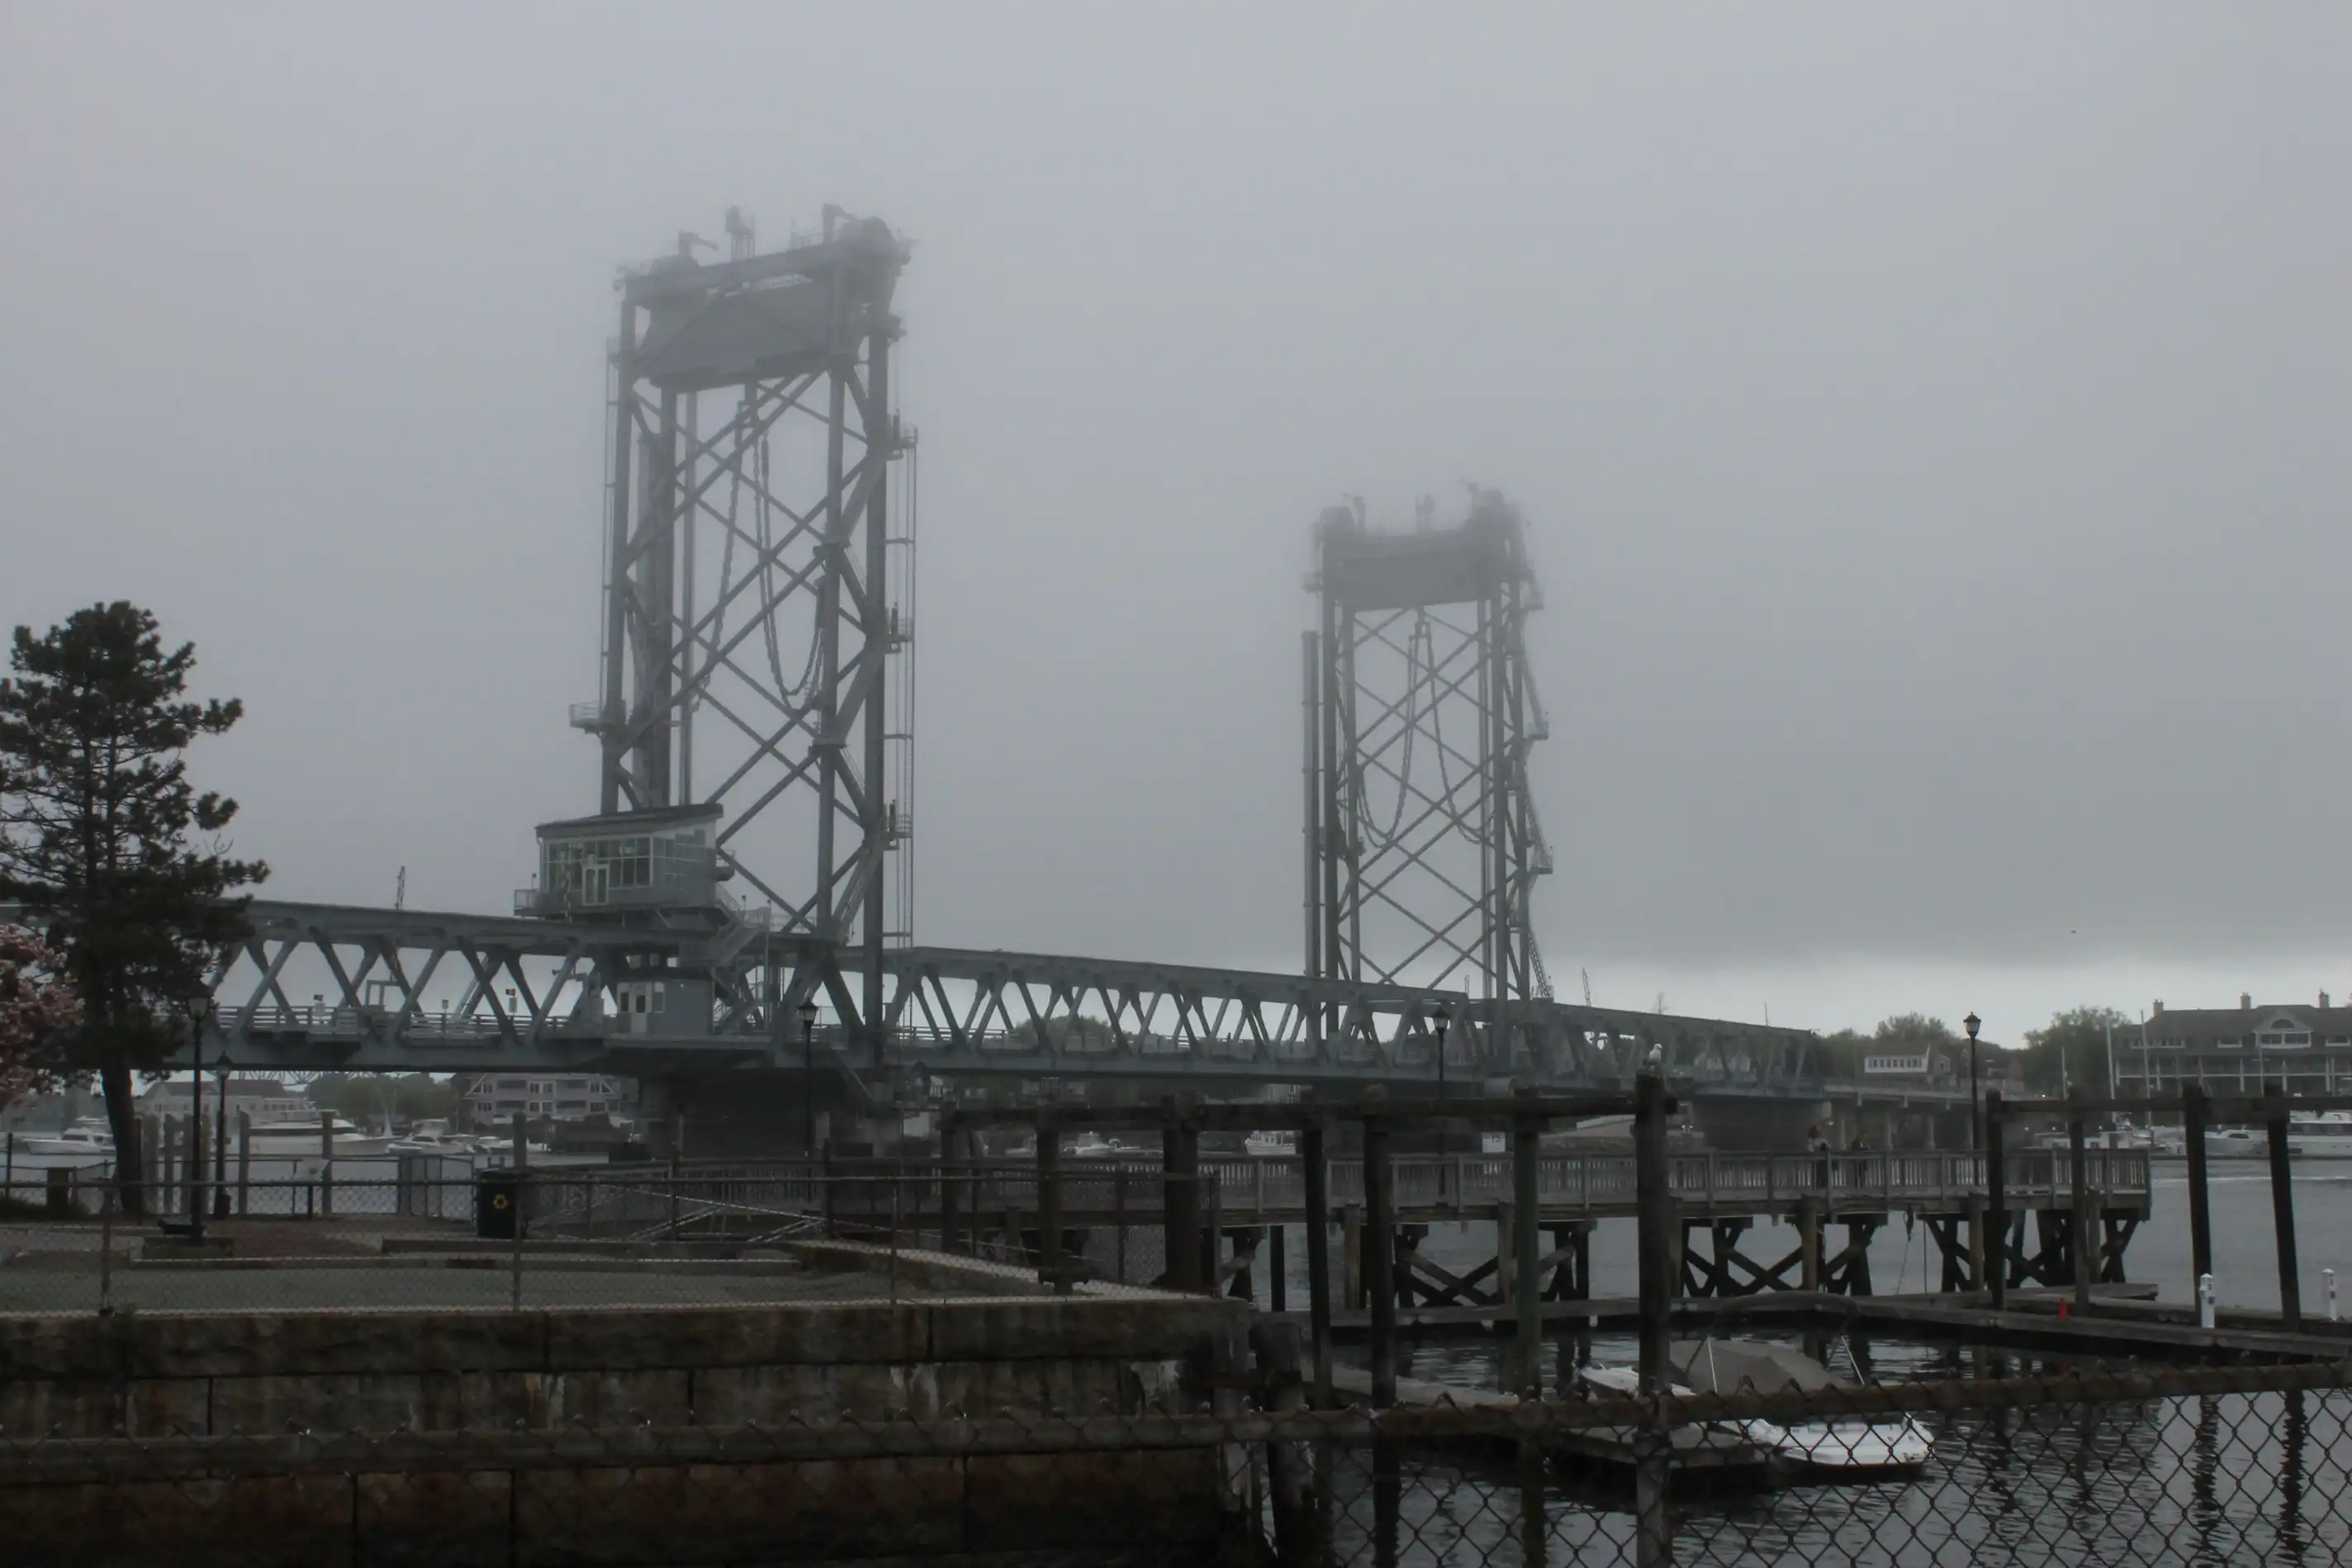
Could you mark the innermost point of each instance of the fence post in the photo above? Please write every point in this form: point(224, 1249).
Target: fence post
point(1213, 1231)
point(1996, 1128)
point(824, 1157)
point(2283, 1216)
point(1118, 1225)
point(1351, 1253)
point(2193, 1113)
point(326, 1165)
point(1379, 1248)
point(1653, 1535)
point(244, 1162)
point(1278, 1287)
point(514, 1246)
point(1527, 1246)
point(1049, 1205)
point(950, 1137)
point(105, 1195)
point(1654, 1204)
point(1318, 1257)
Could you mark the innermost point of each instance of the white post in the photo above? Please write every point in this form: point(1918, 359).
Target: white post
point(2330, 1275)
point(2204, 1300)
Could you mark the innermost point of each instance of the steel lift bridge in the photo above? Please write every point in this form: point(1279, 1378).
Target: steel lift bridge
point(751, 853)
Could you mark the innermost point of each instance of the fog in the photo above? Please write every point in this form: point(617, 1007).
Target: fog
point(1934, 426)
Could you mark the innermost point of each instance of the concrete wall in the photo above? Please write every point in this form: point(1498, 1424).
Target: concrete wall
point(146, 1380)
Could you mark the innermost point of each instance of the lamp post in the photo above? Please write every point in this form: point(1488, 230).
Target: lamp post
point(1976, 1100)
point(808, 1075)
point(200, 1008)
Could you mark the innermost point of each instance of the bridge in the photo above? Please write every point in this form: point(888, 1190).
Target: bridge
point(750, 866)
point(523, 994)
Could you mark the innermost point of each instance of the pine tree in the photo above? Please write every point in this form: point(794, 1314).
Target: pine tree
point(111, 849)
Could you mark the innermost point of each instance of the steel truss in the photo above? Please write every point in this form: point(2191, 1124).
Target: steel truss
point(758, 595)
point(1422, 845)
point(406, 990)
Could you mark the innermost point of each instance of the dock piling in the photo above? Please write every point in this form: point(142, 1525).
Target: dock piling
point(2193, 1117)
point(2078, 1160)
point(1319, 1257)
point(1526, 1248)
point(1654, 1221)
point(2283, 1217)
point(1995, 1201)
point(1380, 1243)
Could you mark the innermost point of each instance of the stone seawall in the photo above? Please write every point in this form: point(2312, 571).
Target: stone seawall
point(146, 1411)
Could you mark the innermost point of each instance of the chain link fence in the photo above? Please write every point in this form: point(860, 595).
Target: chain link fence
point(617, 1234)
point(2218, 1465)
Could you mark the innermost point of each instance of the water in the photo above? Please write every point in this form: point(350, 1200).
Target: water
point(2227, 1479)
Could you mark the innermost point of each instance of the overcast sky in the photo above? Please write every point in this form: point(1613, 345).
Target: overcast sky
point(1934, 424)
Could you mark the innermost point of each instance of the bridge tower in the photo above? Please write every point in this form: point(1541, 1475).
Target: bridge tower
point(1422, 844)
point(759, 600)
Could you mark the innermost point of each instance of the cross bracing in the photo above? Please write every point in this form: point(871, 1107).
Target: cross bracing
point(1422, 841)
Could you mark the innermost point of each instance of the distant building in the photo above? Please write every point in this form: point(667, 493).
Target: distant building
point(2285, 1047)
point(495, 1099)
point(264, 1100)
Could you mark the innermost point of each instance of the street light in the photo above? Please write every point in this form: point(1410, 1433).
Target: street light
point(808, 1075)
point(1976, 1100)
point(200, 1008)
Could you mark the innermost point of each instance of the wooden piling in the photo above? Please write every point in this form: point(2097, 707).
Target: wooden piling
point(1995, 1200)
point(2079, 1163)
point(1380, 1243)
point(1180, 1163)
point(1278, 1287)
point(1289, 1470)
point(1655, 1221)
point(1319, 1259)
point(1975, 1210)
point(2283, 1217)
point(1527, 1249)
point(2194, 1113)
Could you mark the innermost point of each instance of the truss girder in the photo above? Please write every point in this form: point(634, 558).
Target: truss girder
point(954, 1011)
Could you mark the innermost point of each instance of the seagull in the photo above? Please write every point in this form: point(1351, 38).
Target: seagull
point(1657, 1058)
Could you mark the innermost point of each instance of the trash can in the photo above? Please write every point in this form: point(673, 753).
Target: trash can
point(498, 1205)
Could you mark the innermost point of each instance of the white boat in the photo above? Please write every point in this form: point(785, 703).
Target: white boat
point(2235, 1144)
point(1859, 1449)
point(434, 1137)
point(301, 1139)
point(89, 1137)
point(2320, 1134)
point(1268, 1145)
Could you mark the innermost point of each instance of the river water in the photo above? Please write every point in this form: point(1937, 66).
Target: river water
point(2230, 1479)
